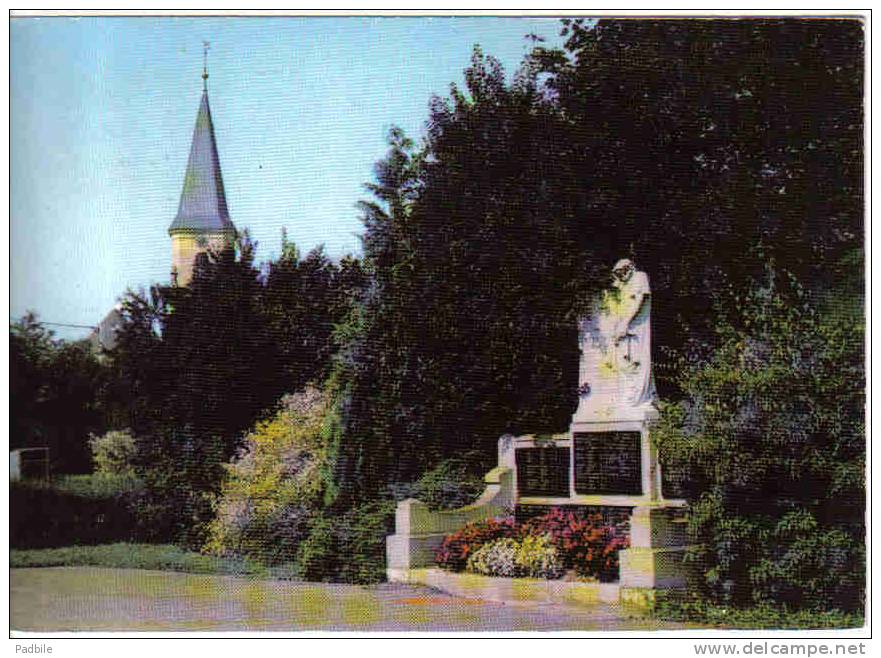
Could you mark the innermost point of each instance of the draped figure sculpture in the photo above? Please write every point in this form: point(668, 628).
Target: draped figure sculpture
point(615, 373)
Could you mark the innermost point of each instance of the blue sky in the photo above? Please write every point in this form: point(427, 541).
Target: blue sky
point(103, 112)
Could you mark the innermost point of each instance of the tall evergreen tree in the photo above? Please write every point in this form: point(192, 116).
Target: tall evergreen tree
point(704, 150)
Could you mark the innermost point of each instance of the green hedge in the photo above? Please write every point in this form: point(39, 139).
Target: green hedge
point(163, 557)
point(691, 608)
point(97, 486)
point(73, 510)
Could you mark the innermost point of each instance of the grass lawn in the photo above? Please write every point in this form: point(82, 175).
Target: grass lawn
point(163, 557)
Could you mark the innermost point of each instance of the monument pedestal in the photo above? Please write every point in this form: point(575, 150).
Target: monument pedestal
point(658, 538)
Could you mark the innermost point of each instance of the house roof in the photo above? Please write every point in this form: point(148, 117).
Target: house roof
point(202, 206)
point(104, 335)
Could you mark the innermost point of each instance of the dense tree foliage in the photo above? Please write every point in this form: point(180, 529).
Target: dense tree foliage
point(53, 395)
point(711, 147)
point(467, 330)
point(701, 149)
point(302, 302)
point(195, 367)
point(769, 444)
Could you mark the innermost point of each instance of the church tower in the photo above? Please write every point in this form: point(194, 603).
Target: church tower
point(202, 222)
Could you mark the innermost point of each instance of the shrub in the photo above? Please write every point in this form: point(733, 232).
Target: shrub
point(769, 443)
point(97, 485)
point(808, 562)
point(452, 483)
point(364, 531)
point(162, 557)
point(348, 548)
point(458, 546)
point(75, 510)
point(496, 558)
point(113, 453)
point(689, 607)
point(317, 554)
point(584, 543)
point(275, 485)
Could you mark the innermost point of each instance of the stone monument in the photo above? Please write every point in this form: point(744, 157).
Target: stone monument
point(614, 460)
point(612, 453)
point(615, 373)
point(606, 460)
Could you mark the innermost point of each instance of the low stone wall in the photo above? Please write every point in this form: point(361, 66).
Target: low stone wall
point(512, 590)
point(419, 531)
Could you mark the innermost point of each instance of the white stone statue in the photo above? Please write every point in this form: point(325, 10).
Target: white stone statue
point(615, 373)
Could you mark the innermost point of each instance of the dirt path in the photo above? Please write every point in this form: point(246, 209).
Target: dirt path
point(94, 599)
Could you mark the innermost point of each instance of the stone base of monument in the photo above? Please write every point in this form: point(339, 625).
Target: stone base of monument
point(654, 561)
point(652, 568)
point(407, 552)
point(512, 590)
point(528, 476)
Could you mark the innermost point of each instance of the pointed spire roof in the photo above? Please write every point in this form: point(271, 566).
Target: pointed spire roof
point(203, 202)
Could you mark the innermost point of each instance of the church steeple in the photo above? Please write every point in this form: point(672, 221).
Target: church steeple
point(202, 220)
point(203, 201)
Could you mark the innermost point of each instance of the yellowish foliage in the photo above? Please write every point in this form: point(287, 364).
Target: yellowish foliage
point(275, 480)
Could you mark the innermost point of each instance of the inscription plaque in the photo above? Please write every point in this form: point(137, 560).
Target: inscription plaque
point(543, 471)
point(608, 463)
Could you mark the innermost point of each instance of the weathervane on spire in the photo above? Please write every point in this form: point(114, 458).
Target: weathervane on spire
point(205, 46)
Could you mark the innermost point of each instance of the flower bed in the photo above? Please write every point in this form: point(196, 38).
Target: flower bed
point(546, 546)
